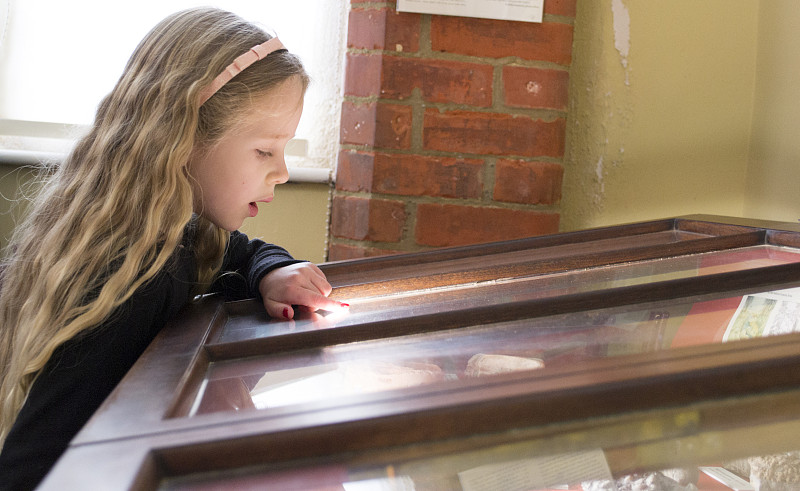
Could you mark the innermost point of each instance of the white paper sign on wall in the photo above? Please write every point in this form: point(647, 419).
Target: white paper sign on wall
point(520, 10)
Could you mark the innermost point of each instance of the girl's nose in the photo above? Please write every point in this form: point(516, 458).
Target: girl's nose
point(280, 175)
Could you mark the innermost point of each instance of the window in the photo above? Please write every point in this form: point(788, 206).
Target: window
point(58, 59)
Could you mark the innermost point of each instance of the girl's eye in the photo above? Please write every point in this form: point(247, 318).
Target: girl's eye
point(264, 153)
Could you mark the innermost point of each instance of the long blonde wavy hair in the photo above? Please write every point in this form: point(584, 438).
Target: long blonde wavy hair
point(109, 218)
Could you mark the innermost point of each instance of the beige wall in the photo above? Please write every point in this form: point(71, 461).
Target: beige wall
point(682, 107)
point(297, 219)
point(773, 178)
point(12, 181)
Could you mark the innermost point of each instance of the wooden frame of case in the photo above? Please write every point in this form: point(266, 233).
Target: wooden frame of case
point(140, 437)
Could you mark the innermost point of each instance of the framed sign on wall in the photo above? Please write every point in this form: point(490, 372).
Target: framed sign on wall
point(519, 10)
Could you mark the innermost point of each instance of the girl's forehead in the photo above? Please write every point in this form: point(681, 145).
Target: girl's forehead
point(283, 100)
point(273, 116)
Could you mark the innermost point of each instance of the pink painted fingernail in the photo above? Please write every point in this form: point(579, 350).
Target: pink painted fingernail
point(344, 304)
point(286, 312)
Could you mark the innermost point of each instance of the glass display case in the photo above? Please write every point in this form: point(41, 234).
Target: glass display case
point(657, 355)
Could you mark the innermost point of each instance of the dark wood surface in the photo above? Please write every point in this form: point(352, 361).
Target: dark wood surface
point(143, 431)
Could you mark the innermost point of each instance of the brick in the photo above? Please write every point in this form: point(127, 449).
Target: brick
point(402, 32)
point(518, 181)
point(378, 124)
point(439, 80)
point(363, 75)
point(409, 175)
point(493, 134)
point(535, 88)
point(354, 171)
point(394, 77)
point(415, 175)
point(373, 219)
point(340, 252)
point(358, 123)
point(383, 29)
point(441, 225)
point(393, 126)
point(567, 8)
point(366, 28)
point(491, 38)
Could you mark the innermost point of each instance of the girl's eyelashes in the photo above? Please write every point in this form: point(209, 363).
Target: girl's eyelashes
point(264, 153)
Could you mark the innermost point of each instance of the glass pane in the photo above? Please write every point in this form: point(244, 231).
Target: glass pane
point(745, 444)
point(514, 257)
point(529, 344)
point(377, 307)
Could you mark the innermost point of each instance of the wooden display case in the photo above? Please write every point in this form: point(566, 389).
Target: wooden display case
point(528, 364)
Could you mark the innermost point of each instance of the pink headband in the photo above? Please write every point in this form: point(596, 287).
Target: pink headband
point(240, 63)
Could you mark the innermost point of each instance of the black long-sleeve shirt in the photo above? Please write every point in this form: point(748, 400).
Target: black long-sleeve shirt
point(82, 372)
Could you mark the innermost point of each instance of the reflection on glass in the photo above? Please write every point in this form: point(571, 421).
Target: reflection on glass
point(530, 344)
point(589, 471)
point(538, 472)
point(305, 384)
point(586, 470)
point(308, 375)
point(380, 307)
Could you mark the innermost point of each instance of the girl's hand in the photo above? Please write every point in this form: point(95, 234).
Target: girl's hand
point(302, 284)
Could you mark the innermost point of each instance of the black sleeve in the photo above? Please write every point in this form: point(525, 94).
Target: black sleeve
point(246, 262)
point(80, 375)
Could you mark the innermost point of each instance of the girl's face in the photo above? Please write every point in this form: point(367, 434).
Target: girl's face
point(243, 168)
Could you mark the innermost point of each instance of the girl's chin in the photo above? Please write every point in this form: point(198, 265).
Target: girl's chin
point(231, 224)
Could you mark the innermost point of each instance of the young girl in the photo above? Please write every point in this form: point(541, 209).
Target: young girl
point(141, 217)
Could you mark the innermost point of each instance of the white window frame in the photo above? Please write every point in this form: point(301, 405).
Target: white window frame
point(30, 136)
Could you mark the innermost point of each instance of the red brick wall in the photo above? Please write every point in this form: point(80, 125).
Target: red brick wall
point(452, 129)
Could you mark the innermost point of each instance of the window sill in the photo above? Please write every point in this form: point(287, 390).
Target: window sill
point(31, 143)
point(297, 173)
